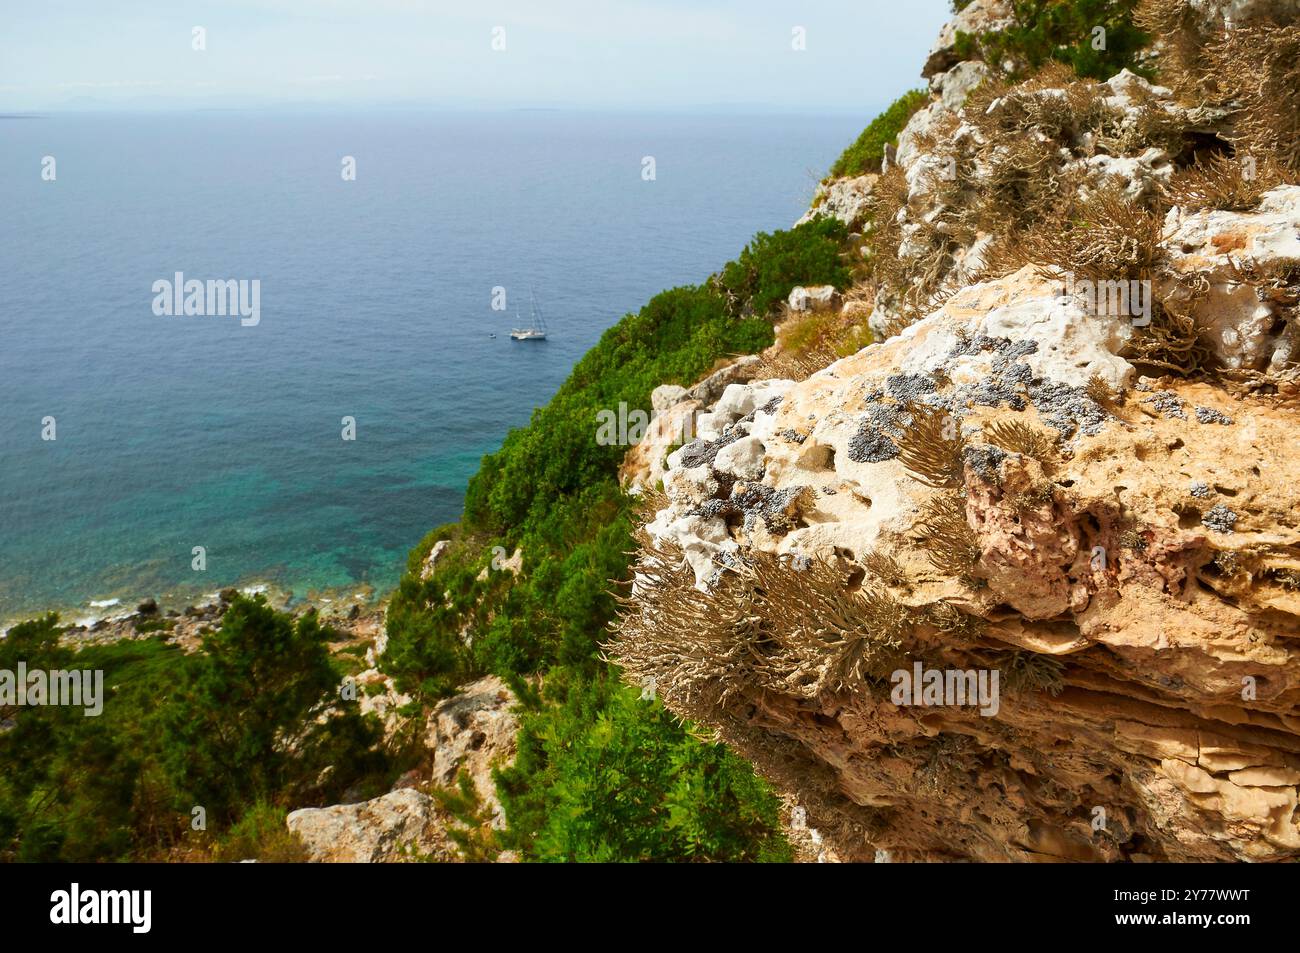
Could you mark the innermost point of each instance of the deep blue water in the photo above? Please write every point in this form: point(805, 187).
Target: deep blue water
point(175, 432)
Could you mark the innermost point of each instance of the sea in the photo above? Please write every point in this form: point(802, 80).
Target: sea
point(146, 453)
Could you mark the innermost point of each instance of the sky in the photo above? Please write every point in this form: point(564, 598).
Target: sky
point(602, 54)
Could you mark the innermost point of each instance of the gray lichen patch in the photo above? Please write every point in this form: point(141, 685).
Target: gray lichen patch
point(700, 452)
point(871, 445)
point(1011, 382)
point(1003, 348)
point(906, 388)
point(1200, 490)
point(1167, 403)
point(1208, 415)
point(1220, 519)
point(751, 502)
point(985, 459)
point(1067, 408)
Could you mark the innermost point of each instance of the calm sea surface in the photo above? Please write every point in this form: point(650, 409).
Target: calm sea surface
point(176, 432)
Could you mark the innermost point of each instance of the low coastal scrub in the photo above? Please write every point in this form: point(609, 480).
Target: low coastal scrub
point(192, 754)
point(1095, 38)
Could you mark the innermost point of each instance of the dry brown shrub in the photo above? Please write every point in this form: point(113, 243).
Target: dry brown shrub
point(1255, 71)
point(951, 545)
point(1018, 437)
point(1055, 103)
point(1221, 181)
point(950, 621)
point(1024, 671)
point(885, 569)
point(766, 625)
point(1173, 341)
point(1101, 393)
point(1181, 28)
point(913, 283)
point(1145, 125)
point(1099, 236)
point(931, 447)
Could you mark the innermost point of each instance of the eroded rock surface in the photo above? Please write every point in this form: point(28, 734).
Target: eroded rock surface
point(1133, 575)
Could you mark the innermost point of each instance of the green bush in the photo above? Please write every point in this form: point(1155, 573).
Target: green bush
point(261, 835)
point(1063, 31)
point(73, 787)
point(867, 151)
point(603, 775)
point(231, 728)
point(772, 265)
point(261, 716)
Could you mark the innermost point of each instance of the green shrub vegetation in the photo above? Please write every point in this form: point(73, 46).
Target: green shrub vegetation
point(867, 151)
point(1064, 31)
point(232, 728)
point(772, 264)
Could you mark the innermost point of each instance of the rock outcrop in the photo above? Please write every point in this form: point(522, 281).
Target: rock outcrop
point(467, 735)
point(1021, 581)
point(1137, 556)
point(401, 825)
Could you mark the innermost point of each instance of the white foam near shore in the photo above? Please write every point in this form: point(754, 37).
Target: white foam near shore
point(104, 603)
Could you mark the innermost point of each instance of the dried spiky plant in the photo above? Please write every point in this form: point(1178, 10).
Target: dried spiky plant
point(1101, 393)
point(888, 199)
point(1022, 179)
point(1256, 71)
point(1173, 341)
point(912, 282)
point(866, 653)
point(1033, 672)
point(1221, 181)
point(1100, 235)
point(951, 621)
point(951, 545)
point(764, 625)
point(647, 504)
point(1018, 437)
point(931, 447)
point(1054, 104)
point(885, 570)
point(1181, 27)
point(1147, 123)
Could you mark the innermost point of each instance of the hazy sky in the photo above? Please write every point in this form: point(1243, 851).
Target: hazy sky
point(665, 54)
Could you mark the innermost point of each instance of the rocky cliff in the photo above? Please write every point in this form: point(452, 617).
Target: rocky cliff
point(1021, 580)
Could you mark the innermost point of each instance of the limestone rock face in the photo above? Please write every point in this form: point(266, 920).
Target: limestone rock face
point(818, 298)
point(1230, 254)
point(431, 561)
point(844, 198)
point(941, 138)
point(979, 16)
point(399, 826)
point(472, 733)
point(987, 590)
point(953, 86)
point(1133, 578)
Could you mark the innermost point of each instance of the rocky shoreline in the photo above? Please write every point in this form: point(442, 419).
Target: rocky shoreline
point(357, 615)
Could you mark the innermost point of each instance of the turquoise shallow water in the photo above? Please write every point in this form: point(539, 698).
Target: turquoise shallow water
point(175, 432)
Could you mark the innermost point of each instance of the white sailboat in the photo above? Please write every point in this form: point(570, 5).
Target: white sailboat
point(536, 330)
